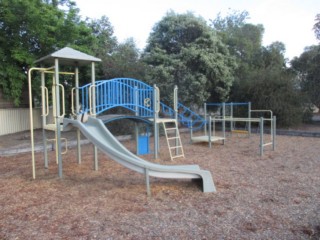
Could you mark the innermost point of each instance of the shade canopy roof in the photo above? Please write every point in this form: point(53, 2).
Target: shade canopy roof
point(68, 56)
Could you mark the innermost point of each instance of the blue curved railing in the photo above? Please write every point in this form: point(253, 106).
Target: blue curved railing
point(136, 96)
point(120, 92)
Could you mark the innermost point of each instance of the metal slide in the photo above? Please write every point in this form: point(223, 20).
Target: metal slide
point(95, 131)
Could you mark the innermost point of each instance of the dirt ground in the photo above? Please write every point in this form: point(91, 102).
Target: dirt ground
point(276, 196)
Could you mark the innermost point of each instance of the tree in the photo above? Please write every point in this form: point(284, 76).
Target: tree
point(307, 67)
point(316, 27)
point(32, 29)
point(182, 50)
point(124, 61)
point(244, 41)
point(262, 76)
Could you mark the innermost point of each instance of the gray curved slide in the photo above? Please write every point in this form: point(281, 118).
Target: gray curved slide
point(96, 132)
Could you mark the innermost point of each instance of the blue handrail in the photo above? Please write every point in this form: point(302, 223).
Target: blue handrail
point(136, 96)
point(120, 92)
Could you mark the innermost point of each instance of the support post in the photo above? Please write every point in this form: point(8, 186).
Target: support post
point(209, 132)
point(224, 110)
point(205, 117)
point(156, 105)
point(224, 116)
point(77, 112)
point(93, 77)
point(136, 127)
point(191, 132)
point(31, 124)
point(261, 136)
point(146, 173)
point(57, 116)
point(175, 107)
point(274, 132)
point(44, 120)
point(231, 115)
point(249, 116)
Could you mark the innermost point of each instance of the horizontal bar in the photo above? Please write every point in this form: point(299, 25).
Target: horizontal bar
point(267, 144)
point(64, 73)
point(227, 104)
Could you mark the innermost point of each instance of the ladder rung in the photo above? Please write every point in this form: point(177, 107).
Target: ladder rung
point(171, 128)
point(170, 138)
point(178, 156)
point(176, 147)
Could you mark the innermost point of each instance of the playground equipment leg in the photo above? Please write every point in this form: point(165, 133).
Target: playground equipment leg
point(45, 150)
point(205, 116)
point(95, 153)
point(274, 132)
point(191, 132)
point(249, 116)
point(261, 137)
point(209, 132)
point(79, 146)
point(146, 173)
point(57, 116)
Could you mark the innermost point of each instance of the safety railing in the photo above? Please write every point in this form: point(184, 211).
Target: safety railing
point(186, 116)
point(136, 96)
point(120, 92)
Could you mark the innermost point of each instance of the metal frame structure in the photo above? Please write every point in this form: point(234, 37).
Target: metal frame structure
point(68, 57)
point(249, 120)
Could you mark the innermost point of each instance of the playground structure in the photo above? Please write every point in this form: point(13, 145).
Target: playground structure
point(222, 116)
point(141, 99)
point(96, 98)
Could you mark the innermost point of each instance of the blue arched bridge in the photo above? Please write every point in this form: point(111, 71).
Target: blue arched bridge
point(135, 96)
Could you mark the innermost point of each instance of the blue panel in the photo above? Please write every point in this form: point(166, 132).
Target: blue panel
point(143, 145)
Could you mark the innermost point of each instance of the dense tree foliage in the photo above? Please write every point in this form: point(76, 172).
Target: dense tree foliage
point(316, 27)
point(124, 62)
point(262, 76)
point(221, 62)
point(182, 50)
point(30, 30)
point(307, 67)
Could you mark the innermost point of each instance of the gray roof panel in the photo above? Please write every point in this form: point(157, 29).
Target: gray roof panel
point(68, 56)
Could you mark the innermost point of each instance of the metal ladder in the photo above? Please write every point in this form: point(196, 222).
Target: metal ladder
point(173, 138)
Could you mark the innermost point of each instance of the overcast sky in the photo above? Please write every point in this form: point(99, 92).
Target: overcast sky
point(288, 21)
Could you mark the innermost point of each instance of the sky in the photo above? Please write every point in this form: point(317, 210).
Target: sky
point(287, 21)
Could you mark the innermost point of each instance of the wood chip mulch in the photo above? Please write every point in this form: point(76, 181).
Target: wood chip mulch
point(276, 196)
